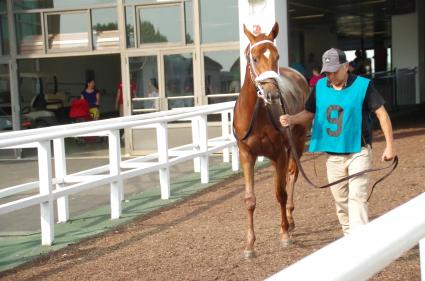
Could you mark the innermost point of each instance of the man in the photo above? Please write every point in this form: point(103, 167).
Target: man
point(341, 105)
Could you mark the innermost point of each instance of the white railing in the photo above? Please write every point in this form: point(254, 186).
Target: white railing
point(360, 255)
point(117, 171)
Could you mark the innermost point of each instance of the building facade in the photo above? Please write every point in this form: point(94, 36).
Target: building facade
point(178, 53)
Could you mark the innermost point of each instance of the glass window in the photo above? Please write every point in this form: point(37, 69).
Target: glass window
point(4, 35)
point(219, 21)
point(105, 28)
point(188, 19)
point(129, 27)
point(144, 75)
point(62, 4)
point(5, 106)
point(4, 86)
point(28, 33)
point(212, 100)
point(67, 31)
point(179, 80)
point(222, 72)
point(3, 7)
point(160, 24)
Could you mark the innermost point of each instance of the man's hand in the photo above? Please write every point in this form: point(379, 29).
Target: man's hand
point(389, 154)
point(285, 120)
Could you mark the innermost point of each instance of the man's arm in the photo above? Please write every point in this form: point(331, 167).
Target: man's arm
point(387, 129)
point(303, 118)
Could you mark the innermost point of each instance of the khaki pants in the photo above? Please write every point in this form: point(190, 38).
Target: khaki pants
point(350, 198)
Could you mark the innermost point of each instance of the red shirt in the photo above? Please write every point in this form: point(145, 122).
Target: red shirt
point(133, 91)
point(314, 79)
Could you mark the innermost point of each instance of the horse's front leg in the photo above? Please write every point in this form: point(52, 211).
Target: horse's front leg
point(247, 164)
point(281, 166)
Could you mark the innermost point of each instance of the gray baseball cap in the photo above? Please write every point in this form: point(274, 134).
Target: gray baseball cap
point(332, 60)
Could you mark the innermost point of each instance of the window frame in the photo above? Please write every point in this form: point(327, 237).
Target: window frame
point(137, 10)
point(45, 29)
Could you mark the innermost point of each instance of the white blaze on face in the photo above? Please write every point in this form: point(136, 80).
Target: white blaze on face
point(267, 54)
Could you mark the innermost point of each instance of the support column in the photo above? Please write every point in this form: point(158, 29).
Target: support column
point(422, 257)
point(264, 14)
point(45, 180)
point(164, 173)
point(125, 74)
point(60, 173)
point(13, 73)
point(225, 134)
point(420, 6)
point(115, 170)
point(235, 150)
point(195, 142)
point(203, 145)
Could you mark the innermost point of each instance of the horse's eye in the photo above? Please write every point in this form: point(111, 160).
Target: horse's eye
point(278, 57)
point(254, 59)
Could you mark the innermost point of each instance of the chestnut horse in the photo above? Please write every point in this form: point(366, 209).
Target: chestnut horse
point(264, 96)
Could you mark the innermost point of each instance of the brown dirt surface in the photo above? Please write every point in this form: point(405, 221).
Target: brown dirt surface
point(202, 238)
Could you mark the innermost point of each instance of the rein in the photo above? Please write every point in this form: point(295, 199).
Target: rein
point(256, 79)
point(393, 166)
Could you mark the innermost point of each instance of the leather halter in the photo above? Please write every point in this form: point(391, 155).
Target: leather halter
point(258, 80)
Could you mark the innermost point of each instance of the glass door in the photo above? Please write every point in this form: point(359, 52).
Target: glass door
point(178, 80)
point(143, 72)
point(161, 81)
point(5, 99)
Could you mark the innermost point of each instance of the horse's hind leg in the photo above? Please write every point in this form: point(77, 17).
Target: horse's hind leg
point(247, 163)
point(282, 197)
point(290, 184)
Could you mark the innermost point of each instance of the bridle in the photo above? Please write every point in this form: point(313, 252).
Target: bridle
point(264, 77)
point(259, 79)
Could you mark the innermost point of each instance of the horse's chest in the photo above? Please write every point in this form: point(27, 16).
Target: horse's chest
point(266, 142)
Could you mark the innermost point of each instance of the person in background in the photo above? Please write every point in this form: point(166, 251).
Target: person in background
point(153, 92)
point(341, 105)
point(92, 96)
point(316, 76)
point(358, 64)
point(119, 100)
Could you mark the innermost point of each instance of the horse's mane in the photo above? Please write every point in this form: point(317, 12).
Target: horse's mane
point(292, 95)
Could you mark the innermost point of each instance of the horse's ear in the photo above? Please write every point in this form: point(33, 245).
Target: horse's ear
point(248, 34)
point(275, 31)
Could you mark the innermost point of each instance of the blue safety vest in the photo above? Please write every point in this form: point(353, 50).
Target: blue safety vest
point(338, 119)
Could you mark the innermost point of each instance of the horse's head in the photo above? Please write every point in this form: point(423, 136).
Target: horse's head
point(262, 59)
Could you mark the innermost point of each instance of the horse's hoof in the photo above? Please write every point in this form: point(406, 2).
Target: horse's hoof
point(249, 254)
point(291, 226)
point(286, 243)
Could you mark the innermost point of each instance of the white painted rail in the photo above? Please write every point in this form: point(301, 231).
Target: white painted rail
point(58, 187)
point(360, 255)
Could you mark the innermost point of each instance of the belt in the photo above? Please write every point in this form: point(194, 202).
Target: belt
point(342, 153)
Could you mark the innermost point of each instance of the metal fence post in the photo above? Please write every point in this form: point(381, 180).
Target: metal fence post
point(422, 257)
point(195, 142)
point(235, 151)
point(45, 180)
point(203, 146)
point(164, 173)
point(115, 169)
point(225, 134)
point(60, 173)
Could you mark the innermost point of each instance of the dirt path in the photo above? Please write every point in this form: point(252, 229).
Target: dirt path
point(203, 238)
